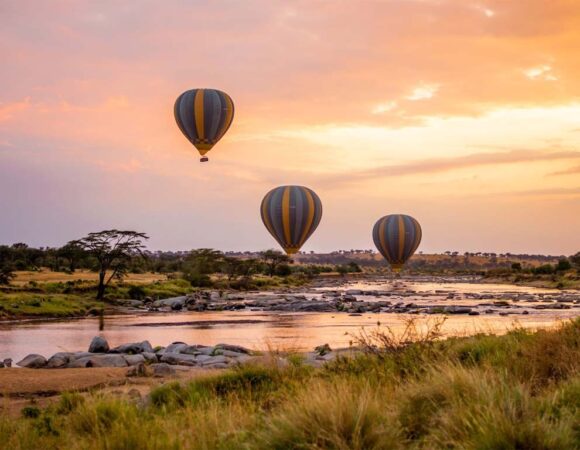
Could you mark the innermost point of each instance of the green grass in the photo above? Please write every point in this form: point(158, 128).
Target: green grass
point(518, 391)
point(26, 304)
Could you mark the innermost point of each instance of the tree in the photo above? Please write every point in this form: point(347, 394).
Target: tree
point(6, 274)
point(272, 259)
point(563, 265)
point(73, 253)
point(113, 250)
point(575, 259)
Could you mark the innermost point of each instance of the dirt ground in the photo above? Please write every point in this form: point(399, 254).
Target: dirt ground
point(41, 387)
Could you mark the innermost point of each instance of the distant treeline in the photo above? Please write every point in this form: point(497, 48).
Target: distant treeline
point(200, 263)
point(196, 265)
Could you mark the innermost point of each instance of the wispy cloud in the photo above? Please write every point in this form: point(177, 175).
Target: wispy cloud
point(569, 171)
point(439, 165)
point(543, 72)
point(423, 92)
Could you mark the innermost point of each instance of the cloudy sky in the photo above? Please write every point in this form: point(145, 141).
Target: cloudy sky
point(465, 115)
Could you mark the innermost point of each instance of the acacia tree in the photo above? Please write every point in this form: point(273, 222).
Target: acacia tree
point(113, 250)
point(272, 259)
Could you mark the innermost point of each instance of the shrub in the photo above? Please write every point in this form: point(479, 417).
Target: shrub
point(137, 292)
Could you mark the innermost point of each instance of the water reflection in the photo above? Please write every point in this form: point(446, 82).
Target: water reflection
point(258, 330)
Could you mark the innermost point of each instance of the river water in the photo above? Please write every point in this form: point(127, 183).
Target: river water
point(262, 330)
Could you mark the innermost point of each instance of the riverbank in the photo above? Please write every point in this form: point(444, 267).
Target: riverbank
point(520, 390)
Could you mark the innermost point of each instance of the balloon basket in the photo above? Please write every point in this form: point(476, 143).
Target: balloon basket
point(204, 159)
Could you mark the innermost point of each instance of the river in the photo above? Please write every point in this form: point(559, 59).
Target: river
point(263, 330)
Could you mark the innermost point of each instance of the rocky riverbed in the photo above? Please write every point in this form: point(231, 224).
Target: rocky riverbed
point(399, 298)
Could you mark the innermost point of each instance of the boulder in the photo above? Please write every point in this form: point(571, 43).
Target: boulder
point(217, 366)
point(150, 357)
point(139, 370)
point(215, 360)
point(7, 362)
point(178, 358)
point(162, 369)
point(134, 348)
point(60, 359)
point(99, 345)
point(134, 360)
point(234, 348)
point(32, 361)
point(109, 360)
point(457, 309)
point(175, 347)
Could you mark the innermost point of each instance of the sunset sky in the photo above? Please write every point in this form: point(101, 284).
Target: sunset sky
point(464, 114)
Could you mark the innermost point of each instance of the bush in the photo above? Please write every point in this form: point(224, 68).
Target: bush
point(545, 269)
point(137, 292)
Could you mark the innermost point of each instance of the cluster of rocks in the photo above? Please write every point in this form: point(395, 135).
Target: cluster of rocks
point(180, 354)
point(357, 301)
point(142, 359)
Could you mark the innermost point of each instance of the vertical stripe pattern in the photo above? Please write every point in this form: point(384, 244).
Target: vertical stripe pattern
point(291, 214)
point(204, 116)
point(397, 237)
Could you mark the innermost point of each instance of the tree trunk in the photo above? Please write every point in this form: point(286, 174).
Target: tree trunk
point(101, 288)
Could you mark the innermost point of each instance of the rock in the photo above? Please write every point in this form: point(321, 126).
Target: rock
point(150, 357)
point(32, 361)
point(234, 348)
point(134, 303)
point(474, 313)
point(214, 360)
point(139, 370)
point(175, 303)
point(201, 358)
point(60, 359)
point(108, 360)
point(216, 366)
point(134, 360)
point(99, 345)
point(206, 350)
point(134, 348)
point(162, 369)
point(178, 358)
point(191, 350)
point(1, 365)
point(323, 349)
point(175, 347)
point(231, 354)
point(457, 309)
point(7, 362)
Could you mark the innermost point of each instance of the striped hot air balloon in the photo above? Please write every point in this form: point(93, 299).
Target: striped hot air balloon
point(204, 116)
point(291, 214)
point(397, 236)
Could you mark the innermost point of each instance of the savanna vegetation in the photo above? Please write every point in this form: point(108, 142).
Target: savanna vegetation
point(517, 391)
point(121, 268)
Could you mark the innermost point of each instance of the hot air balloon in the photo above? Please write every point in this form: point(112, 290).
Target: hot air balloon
point(291, 214)
point(204, 116)
point(397, 236)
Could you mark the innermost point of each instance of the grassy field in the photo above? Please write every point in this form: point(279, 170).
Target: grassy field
point(48, 276)
point(517, 391)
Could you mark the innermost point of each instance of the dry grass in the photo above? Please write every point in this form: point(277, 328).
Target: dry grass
point(47, 276)
point(518, 391)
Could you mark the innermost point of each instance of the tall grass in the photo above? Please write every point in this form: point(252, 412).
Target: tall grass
point(518, 391)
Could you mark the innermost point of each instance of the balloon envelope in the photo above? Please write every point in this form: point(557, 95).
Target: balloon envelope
point(204, 116)
point(291, 214)
point(397, 236)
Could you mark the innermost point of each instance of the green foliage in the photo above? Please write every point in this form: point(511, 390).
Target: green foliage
point(30, 412)
point(544, 269)
point(563, 265)
point(137, 292)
